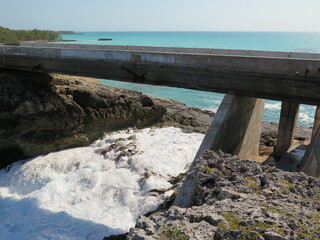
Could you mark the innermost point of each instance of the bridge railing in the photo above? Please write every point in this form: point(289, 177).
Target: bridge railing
point(214, 51)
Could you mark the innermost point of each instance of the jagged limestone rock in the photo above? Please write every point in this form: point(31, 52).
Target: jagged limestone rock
point(240, 199)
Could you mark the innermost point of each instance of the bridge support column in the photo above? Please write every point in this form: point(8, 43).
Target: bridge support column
point(311, 161)
point(235, 129)
point(286, 129)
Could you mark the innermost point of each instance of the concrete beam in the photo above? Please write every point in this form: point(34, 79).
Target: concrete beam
point(215, 51)
point(311, 160)
point(287, 124)
point(235, 129)
point(269, 75)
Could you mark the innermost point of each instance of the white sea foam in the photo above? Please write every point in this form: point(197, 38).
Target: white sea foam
point(306, 119)
point(273, 106)
point(214, 105)
point(82, 194)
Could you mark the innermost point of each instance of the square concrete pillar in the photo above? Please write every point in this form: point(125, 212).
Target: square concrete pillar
point(236, 127)
point(286, 129)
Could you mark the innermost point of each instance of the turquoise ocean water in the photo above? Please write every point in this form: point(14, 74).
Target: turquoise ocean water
point(270, 41)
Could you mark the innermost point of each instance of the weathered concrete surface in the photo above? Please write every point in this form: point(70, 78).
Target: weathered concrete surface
point(231, 52)
point(311, 160)
point(287, 124)
point(270, 75)
point(236, 129)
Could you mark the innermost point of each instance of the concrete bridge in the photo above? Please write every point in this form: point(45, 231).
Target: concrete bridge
point(246, 76)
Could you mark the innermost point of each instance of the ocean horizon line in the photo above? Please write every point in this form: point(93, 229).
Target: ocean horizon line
point(185, 31)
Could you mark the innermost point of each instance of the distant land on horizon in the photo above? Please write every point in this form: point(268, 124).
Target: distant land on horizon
point(12, 36)
point(71, 32)
point(66, 32)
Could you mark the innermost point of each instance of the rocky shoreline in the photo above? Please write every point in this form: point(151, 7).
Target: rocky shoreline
point(235, 198)
point(239, 199)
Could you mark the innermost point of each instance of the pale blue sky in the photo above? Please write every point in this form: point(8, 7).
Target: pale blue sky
point(162, 15)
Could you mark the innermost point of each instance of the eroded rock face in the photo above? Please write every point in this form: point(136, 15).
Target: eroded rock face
point(41, 113)
point(240, 199)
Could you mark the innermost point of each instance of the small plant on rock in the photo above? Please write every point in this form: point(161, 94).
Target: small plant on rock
point(172, 232)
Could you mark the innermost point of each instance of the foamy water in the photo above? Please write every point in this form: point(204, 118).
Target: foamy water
point(92, 192)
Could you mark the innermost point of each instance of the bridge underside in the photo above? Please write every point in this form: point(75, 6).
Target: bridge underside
point(278, 78)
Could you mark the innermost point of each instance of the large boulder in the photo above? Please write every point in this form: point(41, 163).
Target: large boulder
point(41, 113)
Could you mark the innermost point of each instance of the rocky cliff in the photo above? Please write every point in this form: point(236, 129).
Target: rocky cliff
point(42, 113)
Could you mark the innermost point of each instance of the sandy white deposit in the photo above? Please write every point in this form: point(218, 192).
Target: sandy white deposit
point(95, 191)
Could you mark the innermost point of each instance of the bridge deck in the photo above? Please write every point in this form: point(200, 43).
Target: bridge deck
point(293, 77)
